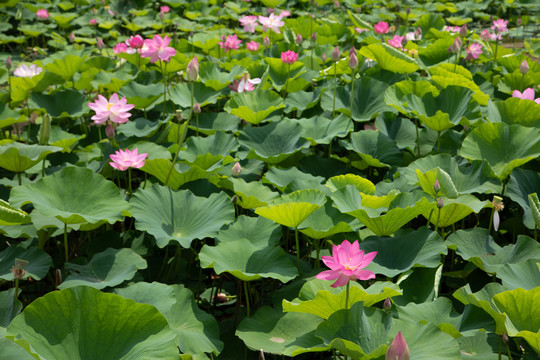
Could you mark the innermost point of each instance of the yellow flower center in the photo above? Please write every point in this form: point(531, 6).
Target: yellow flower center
point(109, 105)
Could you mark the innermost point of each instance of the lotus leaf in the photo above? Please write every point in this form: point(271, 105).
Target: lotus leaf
point(19, 157)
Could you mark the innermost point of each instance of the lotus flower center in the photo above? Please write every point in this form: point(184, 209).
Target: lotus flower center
point(109, 105)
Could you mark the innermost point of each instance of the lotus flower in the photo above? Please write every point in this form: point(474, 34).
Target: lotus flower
point(27, 72)
point(158, 49)
point(346, 262)
point(381, 27)
point(527, 94)
point(252, 46)
point(125, 159)
point(245, 83)
point(42, 14)
point(289, 57)
point(271, 22)
point(499, 26)
point(398, 350)
point(248, 22)
point(396, 41)
point(114, 109)
point(231, 42)
point(473, 51)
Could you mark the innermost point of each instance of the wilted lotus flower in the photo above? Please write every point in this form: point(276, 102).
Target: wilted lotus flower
point(346, 262)
point(398, 350)
point(125, 159)
point(497, 206)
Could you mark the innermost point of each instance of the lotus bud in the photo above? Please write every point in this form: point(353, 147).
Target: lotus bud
point(234, 199)
point(418, 33)
point(8, 63)
point(299, 39)
point(398, 350)
point(440, 203)
point(192, 71)
point(45, 130)
point(387, 305)
point(456, 46)
point(266, 41)
point(197, 108)
point(437, 186)
point(72, 37)
point(323, 57)
point(518, 22)
point(58, 277)
point(314, 37)
point(524, 67)
point(236, 169)
point(353, 61)
point(100, 44)
point(109, 131)
point(408, 11)
point(335, 54)
point(221, 298)
point(505, 338)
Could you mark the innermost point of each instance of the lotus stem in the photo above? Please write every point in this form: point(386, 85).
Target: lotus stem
point(297, 248)
point(16, 291)
point(19, 177)
point(417, 138)
point(347, 295)
point(438, 218)
point(335, 87)
point(287, 81)
point(130, 190)
point(438, 141)
point(192, 102)
point(247, 297)
point(164, 72)
point(180, 141)
point(352, 90)
point(66, 253)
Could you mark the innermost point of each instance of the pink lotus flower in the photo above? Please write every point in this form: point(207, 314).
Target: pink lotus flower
point(528, 94)
point(245, 83)
point(120, 48)
point(42, 14)
point(289, 57)
point(396, 41)
point(346, 262)
point(158, 49)
point(252, 46)
point(499, 26)
point(271, 22)
point(125, 159)
point(135, 42)
point(93, 22)
point(452, 29)
point(164, 9)
point(231, 42)
point(27, 72)
point(114, 109)
point(473, 51)
point(398, 350)
point(248, 22)
point(285, 13)
point(360, 30)
point(381, 27)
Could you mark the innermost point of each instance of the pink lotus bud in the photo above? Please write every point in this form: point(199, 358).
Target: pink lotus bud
point(323, 57)
point(93, 22)
point(352, 51)
point(109, 131)
point(456, 46)
point(99, 43)
point(299, 39)
point(197, 108)
point(440, 203)
point(161, 16)
point(266, 41)
point(72, 37)
point(353, 61)
point(437, 186)
point(314, 37)
point(335, 54)
point(518, 22)
point(524, 67)
point(234, 199)
point(164, 9)
point(236, 169)
point(398, 350)
point(387, 305)
point(463, 31)
point(505, 338)
point(192, 71)
point(418, 33)
point(8, 63)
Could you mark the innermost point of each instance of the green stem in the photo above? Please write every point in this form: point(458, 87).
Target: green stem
point(335, 87)
point(180, 141)
point(417, 138)
point(19, 176)
point(16, 290)
point(130, 190)
point(192, 101)
point(429, 218)
point(163, 71)
point(352, 90)
point(247, 297)
point(66, 253)
point(297, 248)
point(347, 295)
point(287, 81)
point(438, 141)
point(438, 217)
point(491, 220)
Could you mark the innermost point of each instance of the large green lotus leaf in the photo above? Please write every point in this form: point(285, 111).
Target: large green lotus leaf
point(16, 349)
point(281, 333)
point(279, 72)
point(466, 178)
point(522, 184)
point(63, 139)
point(504, 147)
point(523, 314)
point(340, 181)
point(253, 194)
point(197, 332)
point(454, 210)
point(427, 182)
point(368, 99)
point(399, 94)
point(39, 262)
point(9, 117)
point(12, 216)
point(274, 142)
point(421, 247)
point(476, 347)
point(292, 209)
point(366, 327)
point(108, 268)
point(66, 103)
point(444, 75)
point(327, 221)
point(65, 67)
point(320, 130)
point(285, 179)
point(436, 52)
point(525, 274)
point(515, 111)
point(375, 148)
point(139, 127)
point(19, 157)
point(477, 245)
point(180, 215)
point(141, 95)
point(389, 58)
point(180, 174)
point(326, 303)
point(302, 100)
point(483, 300)
point(181, 94)
point(83, 323)
point(65, 196)
point(382, 220)
point(212, 77)
point(254, 106)
point(534, 204)
point(21, 87)
point(439, 313)
point(207, 151)
point(9, 308)
point(419, 285)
